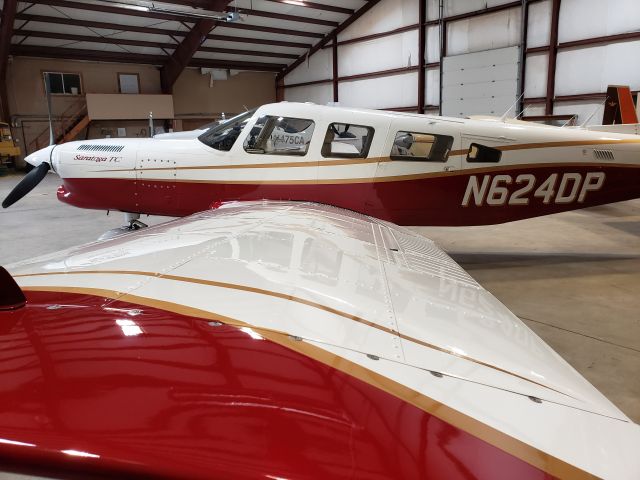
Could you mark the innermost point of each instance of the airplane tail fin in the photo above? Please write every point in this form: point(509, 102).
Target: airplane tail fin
point(619, 107)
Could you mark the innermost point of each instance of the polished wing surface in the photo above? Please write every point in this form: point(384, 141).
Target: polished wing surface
point(289, 339)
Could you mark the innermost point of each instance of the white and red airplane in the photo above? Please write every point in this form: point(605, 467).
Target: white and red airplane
point(282, 340)
point(406, 168)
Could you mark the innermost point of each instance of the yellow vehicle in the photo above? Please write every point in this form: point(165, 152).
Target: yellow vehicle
point(8, 149)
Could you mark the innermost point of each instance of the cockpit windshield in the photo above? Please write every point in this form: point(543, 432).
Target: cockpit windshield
point(223, 136)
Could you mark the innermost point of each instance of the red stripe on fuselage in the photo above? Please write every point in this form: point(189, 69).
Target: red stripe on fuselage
point(149, 392)
point(434, 200)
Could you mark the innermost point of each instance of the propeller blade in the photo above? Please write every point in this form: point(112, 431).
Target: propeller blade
point(47, 84)
point(28, 183)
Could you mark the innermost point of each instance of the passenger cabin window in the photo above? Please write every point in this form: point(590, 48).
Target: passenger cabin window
point(224, 135)
point(280, 136)
point(423, 147)
point(343, 140)
point(481, 153)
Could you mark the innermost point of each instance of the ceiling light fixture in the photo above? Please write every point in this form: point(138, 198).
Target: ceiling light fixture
point(189, 13)
point(128, 6)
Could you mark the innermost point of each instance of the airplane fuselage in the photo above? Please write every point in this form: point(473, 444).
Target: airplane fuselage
point(405, 168)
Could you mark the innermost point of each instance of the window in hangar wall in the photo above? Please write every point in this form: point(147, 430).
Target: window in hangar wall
point(128, 83)
point(63, 83)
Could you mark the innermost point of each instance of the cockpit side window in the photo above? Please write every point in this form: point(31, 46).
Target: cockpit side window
point(273, 135)
point(344, 140)
point(223, 136)
point(425, 147)
point(483, 154)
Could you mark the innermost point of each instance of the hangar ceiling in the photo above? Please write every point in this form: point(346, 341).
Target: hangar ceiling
point(265, 35)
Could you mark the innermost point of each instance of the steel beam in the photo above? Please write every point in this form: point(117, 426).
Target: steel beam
point(279, 90)
point(553, 56)
point(260, 28)
point(306, 84)
point(145, 43)
point(95, 7)
point(6, 32)
point(216, 5)
point(315, 5)
point(422, 72)
point(523, 56)
point(204, 6)
point(92, 39)
point(588, 42)
point(183, 54)
point(283, 16)
point(123, 57)
point(374, 36)
point(93, 24)
point(152, 30)
point(171, 17)
point(334, 61)
point(259, 41)
point(380, 73)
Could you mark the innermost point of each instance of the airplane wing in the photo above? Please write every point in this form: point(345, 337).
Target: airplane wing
point(289, 340)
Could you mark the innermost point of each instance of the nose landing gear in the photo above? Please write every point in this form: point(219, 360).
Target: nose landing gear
point(132, 219)
point(132, 224)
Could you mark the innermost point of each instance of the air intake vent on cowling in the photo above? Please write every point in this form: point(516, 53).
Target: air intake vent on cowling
point(101, 148)
point(603, 154)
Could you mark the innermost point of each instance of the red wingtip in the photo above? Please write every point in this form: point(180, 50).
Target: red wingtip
point(11, 296)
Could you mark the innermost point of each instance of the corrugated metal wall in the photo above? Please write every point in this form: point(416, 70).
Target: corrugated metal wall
point(382, 72)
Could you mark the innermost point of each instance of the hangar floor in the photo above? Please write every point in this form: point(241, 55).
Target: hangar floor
point(574, 278)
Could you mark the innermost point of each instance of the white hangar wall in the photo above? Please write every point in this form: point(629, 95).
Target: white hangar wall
point(596, 44)
point(379, 65)
point(373, 72)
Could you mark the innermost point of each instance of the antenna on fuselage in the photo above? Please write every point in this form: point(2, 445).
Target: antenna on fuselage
point(150, 124)
point(523, 111)
point(583, 124)
point(504, 115)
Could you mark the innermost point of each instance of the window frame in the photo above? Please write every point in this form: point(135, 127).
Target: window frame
point(131, 74)
point(480, 148)
point(269, 118)
point(407, 158)
point(241, 117)
point(44, 82)
point(365, 148)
